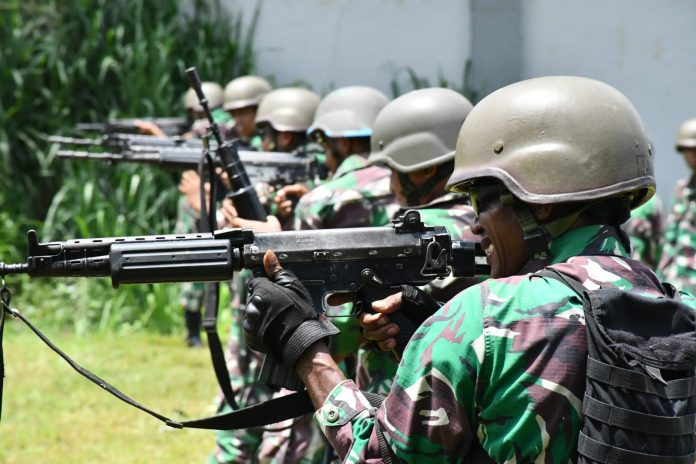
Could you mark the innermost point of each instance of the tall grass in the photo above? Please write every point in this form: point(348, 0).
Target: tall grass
point(405, 79)
point(69, 61)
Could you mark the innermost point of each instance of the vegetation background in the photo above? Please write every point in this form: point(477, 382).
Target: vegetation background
point(70, 61)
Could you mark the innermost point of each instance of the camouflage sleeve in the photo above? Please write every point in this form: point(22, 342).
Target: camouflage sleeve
point(428, 415)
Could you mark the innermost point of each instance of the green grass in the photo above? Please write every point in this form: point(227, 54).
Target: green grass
point(51, 414)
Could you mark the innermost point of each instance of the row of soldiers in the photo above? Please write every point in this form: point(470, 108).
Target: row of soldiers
point(383, 157)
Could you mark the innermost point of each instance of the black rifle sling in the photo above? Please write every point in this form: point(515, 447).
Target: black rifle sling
point(4, 307)
point(207, 223)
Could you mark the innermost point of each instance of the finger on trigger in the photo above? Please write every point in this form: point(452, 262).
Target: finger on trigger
point(388, 304)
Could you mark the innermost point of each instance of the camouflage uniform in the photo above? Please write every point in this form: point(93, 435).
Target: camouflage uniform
point(644, 228)
point(501, 366)
point(376, 368)
point(678, 262)
point(355, 196)
point(244, 365)
point(192, 294)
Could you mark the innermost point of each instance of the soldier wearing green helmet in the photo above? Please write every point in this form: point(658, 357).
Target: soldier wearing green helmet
point(553, 166)
point(355, 196)
point(415, 137)
point(283, 117)
point(678, 261)
point(241, 100)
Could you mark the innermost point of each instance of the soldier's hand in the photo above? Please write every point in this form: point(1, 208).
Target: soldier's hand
point(189, 186)
point(377, 327)
point(271, 224)
point(224, 178)
point(287, 197)
point(149, 128)
point(279, 318)
point(408, 309)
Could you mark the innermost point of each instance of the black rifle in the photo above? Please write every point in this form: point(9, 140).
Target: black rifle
point(275, 168)
point(121, 141)
point(170, 126)
point(370, 262)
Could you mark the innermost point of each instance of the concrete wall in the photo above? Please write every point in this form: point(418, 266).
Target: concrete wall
point(645, 48)
point(332, 43)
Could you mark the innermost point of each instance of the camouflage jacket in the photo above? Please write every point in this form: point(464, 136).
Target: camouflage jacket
point(644, 228)
point(376, 369)
point(356, 196)
point(678, 262)
point(500, 368)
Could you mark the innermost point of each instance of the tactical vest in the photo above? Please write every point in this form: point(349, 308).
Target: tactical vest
point(640, 393)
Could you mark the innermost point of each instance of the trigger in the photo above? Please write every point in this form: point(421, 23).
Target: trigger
point(369, 277)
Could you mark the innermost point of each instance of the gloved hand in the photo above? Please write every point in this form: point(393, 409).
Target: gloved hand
point(279, 317)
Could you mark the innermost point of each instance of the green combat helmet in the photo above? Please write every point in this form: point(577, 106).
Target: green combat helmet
point(245, 91)
point(578, 140)
point(555, 140)
point(348, 112)
point(686, 137)
point(419, 129)
point(290, 109)
point(211, 90)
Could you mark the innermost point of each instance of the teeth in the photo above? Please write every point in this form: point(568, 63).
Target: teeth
point(489, 250)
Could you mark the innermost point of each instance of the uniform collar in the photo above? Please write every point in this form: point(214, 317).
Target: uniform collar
point(351, 163)
point(589, 240)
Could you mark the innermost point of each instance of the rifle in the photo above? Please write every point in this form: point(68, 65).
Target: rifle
point(170, 126)
point(121, 141)
point(370, 262)
point(276, 168)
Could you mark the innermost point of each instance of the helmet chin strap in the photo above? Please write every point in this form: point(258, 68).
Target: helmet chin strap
point(413, 192)
point(537, 237)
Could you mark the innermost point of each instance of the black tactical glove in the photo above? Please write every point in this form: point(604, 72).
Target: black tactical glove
point(416, 307)
point(279, 318)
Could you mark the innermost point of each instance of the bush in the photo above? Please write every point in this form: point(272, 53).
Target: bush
point(69, 61)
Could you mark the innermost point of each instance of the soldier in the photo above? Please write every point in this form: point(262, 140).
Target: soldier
point(241, 100)
point(498, 372)
point(282, 118)
point(415, 136)
point(194, 111)
point(644, 229)
point(678, 261)
point(356, 195)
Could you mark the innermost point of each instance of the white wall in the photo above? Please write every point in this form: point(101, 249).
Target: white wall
point(645, 48)
point(332, 43)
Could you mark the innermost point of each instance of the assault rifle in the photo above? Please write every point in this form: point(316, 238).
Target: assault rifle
point(370, 262)
point(121, 141)
point(170, 126)
point(276, 168)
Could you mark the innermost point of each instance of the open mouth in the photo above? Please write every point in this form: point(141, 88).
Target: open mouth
point(487, 246)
